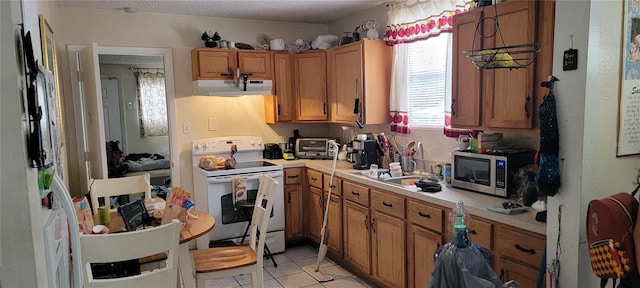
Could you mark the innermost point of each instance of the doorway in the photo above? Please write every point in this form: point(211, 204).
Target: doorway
point(92, 129)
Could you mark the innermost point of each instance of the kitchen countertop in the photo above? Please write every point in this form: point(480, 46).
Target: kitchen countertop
point(475, 203)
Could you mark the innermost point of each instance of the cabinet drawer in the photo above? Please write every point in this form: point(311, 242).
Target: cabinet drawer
point(520, 245)
point(356, 193)
point(337, 184)
point(315, 178)
point(481, 232)
point(387, 203)
point(425, 215)
point(292, 176)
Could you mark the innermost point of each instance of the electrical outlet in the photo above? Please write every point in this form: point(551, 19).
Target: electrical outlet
point(213, 124)
point(186, 127)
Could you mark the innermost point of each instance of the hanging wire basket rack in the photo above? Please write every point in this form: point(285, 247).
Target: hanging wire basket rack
point(504, 57)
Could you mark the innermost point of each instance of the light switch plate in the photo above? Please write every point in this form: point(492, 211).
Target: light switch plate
point(213, 124)
point(186, 127)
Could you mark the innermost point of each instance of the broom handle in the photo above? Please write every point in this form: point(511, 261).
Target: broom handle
point(323, 237)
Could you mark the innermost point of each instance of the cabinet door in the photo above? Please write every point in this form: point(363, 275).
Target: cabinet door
point(421, 245)
point(347, 81)
point(357, 244)
point(334, 226)
point(310, 74)
point(314, 214)
point(280, 106)
point(294, 227)
point(526, 276)
point(213, 64)
point(258, 63)
point(509, 94)
point(466, 78)
point(388, 243)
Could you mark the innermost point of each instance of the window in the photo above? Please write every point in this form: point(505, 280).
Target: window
point(427, 78)
point(152, 104)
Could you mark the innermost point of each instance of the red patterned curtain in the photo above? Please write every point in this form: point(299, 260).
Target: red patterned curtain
point(417, 20)
point(411, 21)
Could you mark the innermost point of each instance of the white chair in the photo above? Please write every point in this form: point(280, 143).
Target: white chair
point(105, 188)
point(228, 261)
point(107, 248)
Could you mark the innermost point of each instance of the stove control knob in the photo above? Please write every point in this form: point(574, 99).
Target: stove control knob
point(205, 146)
point(252, 142)
point(259, 143)
point(196, 147)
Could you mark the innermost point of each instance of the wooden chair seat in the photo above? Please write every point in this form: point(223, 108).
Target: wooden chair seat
point(223, 258)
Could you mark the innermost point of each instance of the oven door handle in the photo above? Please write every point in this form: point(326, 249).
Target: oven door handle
point(250, 176)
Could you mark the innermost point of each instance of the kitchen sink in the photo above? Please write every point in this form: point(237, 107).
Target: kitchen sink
point(407, 180)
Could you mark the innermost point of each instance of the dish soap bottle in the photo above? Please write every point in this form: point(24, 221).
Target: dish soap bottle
point(461, 220)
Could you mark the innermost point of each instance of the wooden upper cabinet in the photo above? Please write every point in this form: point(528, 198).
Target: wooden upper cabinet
point(310, 78)
point(280, 106)
point(208, 63)
point(212, 63)
point(465, 77)
point(258, 63)
point(501, 98)
point(509, 94)
point(360, 71)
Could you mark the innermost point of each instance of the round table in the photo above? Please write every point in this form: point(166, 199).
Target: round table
point(195, 227)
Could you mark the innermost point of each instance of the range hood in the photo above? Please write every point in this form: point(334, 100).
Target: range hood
point(232, 87)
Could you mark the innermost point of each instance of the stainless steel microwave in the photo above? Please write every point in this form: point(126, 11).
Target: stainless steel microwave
point(491, 173)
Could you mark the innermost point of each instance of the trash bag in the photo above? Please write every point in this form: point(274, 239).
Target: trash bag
point(466, 267)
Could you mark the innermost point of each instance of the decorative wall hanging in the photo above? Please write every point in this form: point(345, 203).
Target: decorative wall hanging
point(629, 101)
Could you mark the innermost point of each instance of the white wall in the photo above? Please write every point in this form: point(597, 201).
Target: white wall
point(235, 116)
point(22, 262)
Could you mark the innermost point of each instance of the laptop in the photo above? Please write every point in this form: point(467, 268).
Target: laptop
point(134, 215)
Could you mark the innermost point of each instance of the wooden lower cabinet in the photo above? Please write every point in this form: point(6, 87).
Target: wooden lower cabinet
point(421, 245)
point(357, 239)
point(294, 225)
point(334, 226)
point(525, 275)
point(314, 214)
point(388, 253)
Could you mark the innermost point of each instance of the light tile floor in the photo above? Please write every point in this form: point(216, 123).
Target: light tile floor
point(289, 272)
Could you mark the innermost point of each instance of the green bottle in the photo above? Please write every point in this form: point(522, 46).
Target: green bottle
point(460, 219)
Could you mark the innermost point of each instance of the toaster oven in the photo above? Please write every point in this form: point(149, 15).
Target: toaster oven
point(313, 148)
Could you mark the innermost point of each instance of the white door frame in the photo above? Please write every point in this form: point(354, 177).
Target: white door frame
point(167, 57)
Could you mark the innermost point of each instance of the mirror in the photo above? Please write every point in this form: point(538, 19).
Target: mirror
point(134, 104)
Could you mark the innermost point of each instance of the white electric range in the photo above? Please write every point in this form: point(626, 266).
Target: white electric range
point(212, 189)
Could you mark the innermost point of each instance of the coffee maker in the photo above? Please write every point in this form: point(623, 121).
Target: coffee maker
point(365, 153)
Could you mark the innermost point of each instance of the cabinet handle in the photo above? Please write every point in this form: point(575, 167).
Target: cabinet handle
point(356, 106)
point(292, 176)
point(527, 103)
point(501, 274)
point(373, 225)
point(425, 216)
point(278, 109)
point(324, 108)
point(473, 232)
point(314, 179)
point(226, 74)
point(355, 193)
point(366, 217)
point(530, 251)
point(387, 204)
point(453, 107)
point(320, 202)
point(289, 197)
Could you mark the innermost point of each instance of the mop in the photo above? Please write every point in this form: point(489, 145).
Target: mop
point(314, 270)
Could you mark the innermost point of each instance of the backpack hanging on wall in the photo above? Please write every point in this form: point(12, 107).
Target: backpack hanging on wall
point(610, 235)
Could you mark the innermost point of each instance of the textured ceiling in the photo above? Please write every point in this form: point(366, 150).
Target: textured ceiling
point(301, 11)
